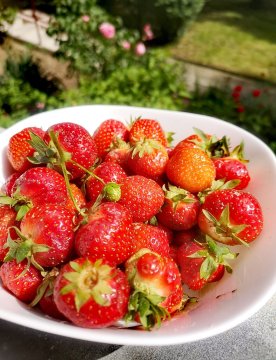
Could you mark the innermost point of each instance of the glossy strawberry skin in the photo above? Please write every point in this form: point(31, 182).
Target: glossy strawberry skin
point(147, 129)
point(150, 237)
point(182, 237)
point(77, 141)
point(182, 217)
point(158, 275)
point(119, 156)
point(151, 165)
point(232, 169)
point(50, 225)
point(7, 216)
point(142, 196)
point(78, 196)
point(244, 210)
point(25, 286)
point(48, 306)
point(188, 142)
point(91, 314)
point(9, 183)
point(39, 185)
point(19, 148)
point(190, 267)
point(107, 234)
point(107, 132)
point(108, 172)
point(191, 169)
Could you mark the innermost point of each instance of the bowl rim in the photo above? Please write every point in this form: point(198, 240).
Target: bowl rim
point(96, 335)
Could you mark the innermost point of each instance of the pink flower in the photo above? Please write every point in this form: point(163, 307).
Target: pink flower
point(85, 18)
point(40, 105)
point(126, 45)
point(148, 33)
point(107, 30)
point(140, 49)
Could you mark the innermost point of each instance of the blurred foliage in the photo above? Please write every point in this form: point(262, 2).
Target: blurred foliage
point(20, 95)
point(168, 18)
point(76, 26)
point(240, 108)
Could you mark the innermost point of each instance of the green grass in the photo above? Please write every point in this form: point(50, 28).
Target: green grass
point(231, 36)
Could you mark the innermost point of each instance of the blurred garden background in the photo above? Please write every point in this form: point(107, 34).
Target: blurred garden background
point(206, 56)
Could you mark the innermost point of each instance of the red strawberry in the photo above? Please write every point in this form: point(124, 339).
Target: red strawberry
point(150, 237)
point(180, 209)
point(44, 295)
point(156, 284)
point(202, 263)
point(78, 196)
point(48, 306)
point(210, 144)
point(107, 133)
point(148, 158)
point(20, 279)
point(7, 216)
point(231, 217)
point(119, 153)
point(232, 169)
point(7, 187)
point(45, 238)
point(191, 169)
point(34, 187)
point(106, 234)
point(142, 196)
point(19, 148)
point(76, 145)
point(108, 172)
point(181, 237)
point(91, 294)
point(147, 129)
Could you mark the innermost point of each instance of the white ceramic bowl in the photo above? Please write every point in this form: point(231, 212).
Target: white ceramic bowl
point(223, 305)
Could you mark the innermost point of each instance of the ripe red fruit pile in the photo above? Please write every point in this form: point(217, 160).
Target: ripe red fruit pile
point(118, 224)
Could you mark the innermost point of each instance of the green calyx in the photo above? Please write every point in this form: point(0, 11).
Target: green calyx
point(218, 185)
point(177, 195)
point(118, 143)
point(112, 192)
point(46, 153)
point(238, 153)
point(20, 204)
point(46, 288)
point(89, 280)
point(223, 226)
point(23, 248)
point(148, 308)
point(169, 137)
point(213, 146)
point(145, 146)
point(214, 255)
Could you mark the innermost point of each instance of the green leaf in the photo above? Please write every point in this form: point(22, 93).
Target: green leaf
point(208, 267)
point(21, 211)
point(6, 200)
point(67, 288)
point(81, 298)
point(75, 266)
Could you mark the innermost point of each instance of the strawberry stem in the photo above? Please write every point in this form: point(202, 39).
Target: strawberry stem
point(87, 171)
point(64, 170)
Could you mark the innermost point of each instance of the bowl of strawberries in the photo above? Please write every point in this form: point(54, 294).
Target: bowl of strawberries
point(134, 226)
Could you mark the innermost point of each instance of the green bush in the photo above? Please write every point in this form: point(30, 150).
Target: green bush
point(247, 110)
point(87, 49)
point(155, 83)
point(168, 18)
